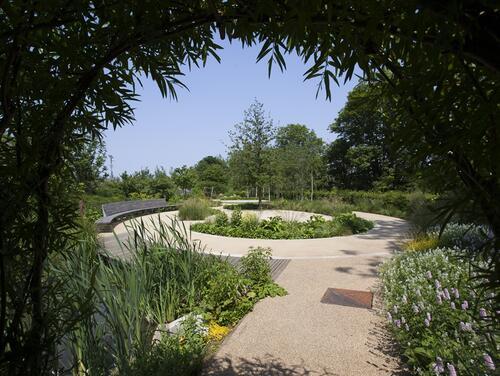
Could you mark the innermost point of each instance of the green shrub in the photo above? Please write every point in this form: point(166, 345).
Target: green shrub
point(439, 314)
point(224, 294)
point(400, 204)
point(194, 209)
point(236, 217)
point(462, 236)
point(221, 219)
point(255, 266)
point(249, 222)
point(354, 223)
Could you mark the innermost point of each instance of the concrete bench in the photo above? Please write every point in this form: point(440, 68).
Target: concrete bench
point(116, 212)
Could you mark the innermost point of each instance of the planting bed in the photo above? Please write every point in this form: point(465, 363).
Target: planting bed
point(272, 224)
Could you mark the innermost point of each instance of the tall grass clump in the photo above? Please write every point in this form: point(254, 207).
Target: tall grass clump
point(194, 209)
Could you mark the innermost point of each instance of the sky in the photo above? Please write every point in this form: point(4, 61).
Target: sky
point(168, 133)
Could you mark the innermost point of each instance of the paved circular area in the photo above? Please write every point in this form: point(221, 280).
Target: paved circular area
point(381, 240)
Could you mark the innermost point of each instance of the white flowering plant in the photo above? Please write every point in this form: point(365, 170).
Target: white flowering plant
point(445, 323)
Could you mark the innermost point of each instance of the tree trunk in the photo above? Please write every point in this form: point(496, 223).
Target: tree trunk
point(34, 346)
point(312, 186)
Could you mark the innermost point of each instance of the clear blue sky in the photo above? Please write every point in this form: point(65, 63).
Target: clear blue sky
point(172, 133)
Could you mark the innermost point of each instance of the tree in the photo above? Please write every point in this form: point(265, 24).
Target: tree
point(212, 174)
point(184, 177)
point(137, 182)
point(162, 185)
point(249, 153)
point(364, 155)
point(87, 163)
point(298, 159)
point(69, 69)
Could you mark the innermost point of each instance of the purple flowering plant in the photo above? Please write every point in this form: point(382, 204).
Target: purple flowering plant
point(436, 336)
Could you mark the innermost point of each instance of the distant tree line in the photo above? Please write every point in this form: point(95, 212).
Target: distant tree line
point(265, 161)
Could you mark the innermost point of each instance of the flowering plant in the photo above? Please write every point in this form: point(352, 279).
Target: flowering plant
point(444, 322)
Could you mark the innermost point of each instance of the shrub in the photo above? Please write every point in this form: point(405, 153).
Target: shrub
point(462, 236)
point(255, 266)
point(438, 314)
point(393, 203)
point(249, 206)
point(226, 295)
point(353, 222)
point(194, 209)
point(221, 219)
point(236, 217)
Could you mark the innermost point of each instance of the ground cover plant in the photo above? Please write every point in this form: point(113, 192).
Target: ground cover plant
point(248, 226)
point(440, 309)
point(167, 277)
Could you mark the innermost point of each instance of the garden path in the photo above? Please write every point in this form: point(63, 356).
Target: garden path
point(298, 335)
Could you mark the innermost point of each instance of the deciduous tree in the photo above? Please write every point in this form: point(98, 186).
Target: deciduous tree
point(250, 150)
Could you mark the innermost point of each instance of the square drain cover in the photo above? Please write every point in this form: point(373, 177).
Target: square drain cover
point(349, 298)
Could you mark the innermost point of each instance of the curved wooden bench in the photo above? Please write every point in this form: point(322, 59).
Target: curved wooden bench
point(116, 212)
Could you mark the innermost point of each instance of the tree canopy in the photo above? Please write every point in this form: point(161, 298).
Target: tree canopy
point(363, 154)
point(298, 158)
point(212, 175)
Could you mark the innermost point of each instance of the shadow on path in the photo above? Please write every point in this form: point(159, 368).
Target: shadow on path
point(370, 271)
point(256, 367)
point(382, 345)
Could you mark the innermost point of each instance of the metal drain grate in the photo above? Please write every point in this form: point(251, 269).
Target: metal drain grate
point(349, 298)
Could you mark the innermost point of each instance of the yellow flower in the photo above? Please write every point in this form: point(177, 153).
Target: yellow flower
point(217, 332)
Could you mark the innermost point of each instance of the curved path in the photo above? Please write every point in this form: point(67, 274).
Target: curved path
point(297, 334)
point(381, 240)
